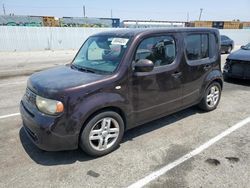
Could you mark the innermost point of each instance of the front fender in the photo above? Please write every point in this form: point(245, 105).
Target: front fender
point(98, 101)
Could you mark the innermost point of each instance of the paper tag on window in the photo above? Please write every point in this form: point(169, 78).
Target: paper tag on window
point(119, 41)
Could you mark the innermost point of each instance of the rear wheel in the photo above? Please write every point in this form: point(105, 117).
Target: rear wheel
point(102, 134)
point(211, 98)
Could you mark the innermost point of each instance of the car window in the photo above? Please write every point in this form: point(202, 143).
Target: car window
point(213, 46)
point(101, 54)
point(160, 50)
point(246, 47)
point(96, 53)
point(197, 46)
point(223, 37)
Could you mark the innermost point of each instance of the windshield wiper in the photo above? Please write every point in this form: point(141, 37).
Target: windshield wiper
point(83, 69)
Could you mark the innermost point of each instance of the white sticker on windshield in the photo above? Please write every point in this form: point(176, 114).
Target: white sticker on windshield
point(119, 41)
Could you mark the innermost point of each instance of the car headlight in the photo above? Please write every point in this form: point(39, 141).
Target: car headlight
point(48, 106)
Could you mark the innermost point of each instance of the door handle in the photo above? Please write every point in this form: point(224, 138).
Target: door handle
point(206, 67)
point(177, 74)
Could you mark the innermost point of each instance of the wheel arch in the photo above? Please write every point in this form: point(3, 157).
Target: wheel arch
point(219, 81)
point(214, 76)
point(97, 111)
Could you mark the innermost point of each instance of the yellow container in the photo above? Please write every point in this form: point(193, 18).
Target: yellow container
point(232, 25)
point(203, 24)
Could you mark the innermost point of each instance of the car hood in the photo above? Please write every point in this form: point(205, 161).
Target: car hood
point(59, 79)
point(242, 55)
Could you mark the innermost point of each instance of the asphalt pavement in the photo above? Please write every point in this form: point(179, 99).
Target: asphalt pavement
point(143, 151)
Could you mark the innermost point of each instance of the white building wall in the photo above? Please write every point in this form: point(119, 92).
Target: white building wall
point(14, 38)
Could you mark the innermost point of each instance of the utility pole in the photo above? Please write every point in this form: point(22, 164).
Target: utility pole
point(187, 16)
point(4, 10)
point(111, 13)
point(84, 11)
point(201, 10)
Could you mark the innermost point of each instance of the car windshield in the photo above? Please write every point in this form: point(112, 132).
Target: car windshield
point(246, 47)
point(101, 54)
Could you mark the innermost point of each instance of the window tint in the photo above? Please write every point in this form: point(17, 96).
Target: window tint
point(94, 52)
point(204, 46)
point(213, 46)
point(223, 37)
point(197, 46)
point(101, 54)
point(160, 50)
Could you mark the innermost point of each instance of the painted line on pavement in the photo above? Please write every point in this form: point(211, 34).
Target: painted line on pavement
point(156, 174)
point(9, 115)
point(13, 83)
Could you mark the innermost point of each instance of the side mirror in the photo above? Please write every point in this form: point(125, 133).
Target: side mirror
point(144, 65)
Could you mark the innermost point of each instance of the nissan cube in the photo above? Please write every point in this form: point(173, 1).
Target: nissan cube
point(118, 80)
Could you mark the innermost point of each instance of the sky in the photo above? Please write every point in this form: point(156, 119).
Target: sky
point(174, 10)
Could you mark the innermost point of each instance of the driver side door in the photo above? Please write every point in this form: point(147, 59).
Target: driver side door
point(158, 92)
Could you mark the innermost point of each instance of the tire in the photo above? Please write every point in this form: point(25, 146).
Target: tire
point(102, 134)
point(210, 103)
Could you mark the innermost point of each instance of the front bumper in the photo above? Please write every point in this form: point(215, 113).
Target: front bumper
point(230, 75)
point(237, 70)
point(40, 129)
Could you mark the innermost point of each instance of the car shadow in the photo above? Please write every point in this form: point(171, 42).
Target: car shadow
point(68, 157)
point(48, 158)
point(243, 82)
point(159, 123)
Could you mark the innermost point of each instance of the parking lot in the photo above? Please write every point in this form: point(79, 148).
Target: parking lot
point(143, 151)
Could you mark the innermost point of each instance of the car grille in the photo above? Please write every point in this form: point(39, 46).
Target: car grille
point(30, 96)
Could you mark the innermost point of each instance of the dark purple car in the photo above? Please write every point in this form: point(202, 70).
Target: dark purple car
point(118, 80)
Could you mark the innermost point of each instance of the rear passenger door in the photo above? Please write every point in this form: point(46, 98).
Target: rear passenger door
point(199, 60)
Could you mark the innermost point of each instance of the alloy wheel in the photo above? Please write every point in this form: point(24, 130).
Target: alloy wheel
point(213, 96)
point(104, 134)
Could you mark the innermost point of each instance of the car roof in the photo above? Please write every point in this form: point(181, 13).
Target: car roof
point(138, 31)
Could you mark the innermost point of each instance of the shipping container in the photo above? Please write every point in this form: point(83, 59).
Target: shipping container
point(50, 21)
point(232, 25)
point(246, 25)
point(202, 24)
point(218, 24)
point(151, 24)
point(13, 20)
point(89, 22)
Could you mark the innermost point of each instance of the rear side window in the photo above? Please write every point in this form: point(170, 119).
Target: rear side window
point(213, 46)
point(160, 50)
point(197, 46)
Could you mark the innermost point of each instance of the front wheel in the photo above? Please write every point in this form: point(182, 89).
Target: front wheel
point(102, 134)
point(211, 98)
